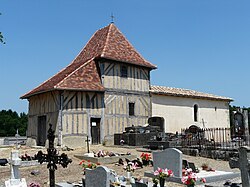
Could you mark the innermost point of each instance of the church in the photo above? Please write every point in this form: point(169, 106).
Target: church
point(107, 88)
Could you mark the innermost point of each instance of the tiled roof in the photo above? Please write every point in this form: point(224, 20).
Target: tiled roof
point(178, 92)
point(82, 74)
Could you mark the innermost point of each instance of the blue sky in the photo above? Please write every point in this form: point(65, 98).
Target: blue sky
point(202, 45)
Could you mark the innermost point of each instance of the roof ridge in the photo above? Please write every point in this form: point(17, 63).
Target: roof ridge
point(84, 64)
point(107, 39)
point(134, 48)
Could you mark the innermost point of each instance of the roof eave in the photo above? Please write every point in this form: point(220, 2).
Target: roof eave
point(27, 96)
point(195, 97)
point(126, 62)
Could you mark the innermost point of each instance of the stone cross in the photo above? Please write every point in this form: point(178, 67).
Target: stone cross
point(88, 140)
point(17, 136)
point(243, 163)
point(15, 163)
point(52, 157)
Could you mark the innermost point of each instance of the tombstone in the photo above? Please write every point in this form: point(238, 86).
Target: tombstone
point(243, 163)
point(100, 176)
point(15, 163)
point(245, 116)
point(170, 158)
point(157, 121)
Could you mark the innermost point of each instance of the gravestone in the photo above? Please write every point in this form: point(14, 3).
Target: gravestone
point(15, 163)
point(170, 158)
point(243, 163)
point(100, 176)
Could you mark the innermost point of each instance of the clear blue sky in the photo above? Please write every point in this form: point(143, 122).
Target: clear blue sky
point(202, 45)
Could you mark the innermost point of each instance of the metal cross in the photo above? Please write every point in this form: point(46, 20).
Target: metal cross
point(112, 17)
point(52, 157)
point(88, 140)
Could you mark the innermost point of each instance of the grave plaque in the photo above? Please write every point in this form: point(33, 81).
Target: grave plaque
point(100, 176)
point(170, 158)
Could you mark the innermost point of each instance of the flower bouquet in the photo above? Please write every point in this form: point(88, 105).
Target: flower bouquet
point(145, 157)
point(129, 167)
point(162, 174)
point(190, 178)
point(87, 164)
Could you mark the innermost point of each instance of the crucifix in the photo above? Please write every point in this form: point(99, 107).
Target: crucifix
point(88, 140)
point(112, 17)
point(52, 157)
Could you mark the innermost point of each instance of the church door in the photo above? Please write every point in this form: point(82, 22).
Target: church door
point(95, 130)
point(41, 131)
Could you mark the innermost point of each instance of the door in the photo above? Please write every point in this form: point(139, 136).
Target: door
point(41, 131)
point(95, 130)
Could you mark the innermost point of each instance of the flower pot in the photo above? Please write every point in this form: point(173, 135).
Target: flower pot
point(161, 182)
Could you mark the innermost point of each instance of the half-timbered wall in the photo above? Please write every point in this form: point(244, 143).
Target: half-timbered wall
point(42, 105)
point(137, 77)
point(117, 111)
point(120, 91)
point(78, 108)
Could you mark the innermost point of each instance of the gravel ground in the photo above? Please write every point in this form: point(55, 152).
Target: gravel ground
point(73, 173)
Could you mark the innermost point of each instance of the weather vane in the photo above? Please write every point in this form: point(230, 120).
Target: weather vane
point(112, 17)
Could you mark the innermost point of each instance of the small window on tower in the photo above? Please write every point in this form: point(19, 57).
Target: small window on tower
point(131, 109)
point(124, 71)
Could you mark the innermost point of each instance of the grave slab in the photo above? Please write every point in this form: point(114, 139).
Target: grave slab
point(172, 159)
point(105, 160)
point(209, 176)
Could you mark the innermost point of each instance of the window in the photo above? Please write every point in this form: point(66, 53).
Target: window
point(195, 112)
point(124, 71)
point(131, 109)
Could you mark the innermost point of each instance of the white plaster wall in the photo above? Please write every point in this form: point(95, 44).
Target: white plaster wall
point(178, 112)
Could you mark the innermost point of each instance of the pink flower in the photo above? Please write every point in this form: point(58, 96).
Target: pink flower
point(156, 172)
point(203, 180)
point(170, 172)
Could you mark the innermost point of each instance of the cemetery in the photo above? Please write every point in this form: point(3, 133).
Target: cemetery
point(169, 164)
point(164, 161)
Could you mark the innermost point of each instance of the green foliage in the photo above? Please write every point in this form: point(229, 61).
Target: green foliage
point(10, 121)
point(1, 36)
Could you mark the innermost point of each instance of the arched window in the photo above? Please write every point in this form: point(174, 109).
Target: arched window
point(195, 112)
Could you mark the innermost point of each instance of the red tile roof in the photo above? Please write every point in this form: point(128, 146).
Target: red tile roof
point(82, 74)
point(178, 92)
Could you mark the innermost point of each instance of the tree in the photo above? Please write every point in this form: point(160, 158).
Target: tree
point(1, 36)
point(10, 121)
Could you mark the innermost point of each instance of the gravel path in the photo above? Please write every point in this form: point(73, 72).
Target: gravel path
point(73, 173)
